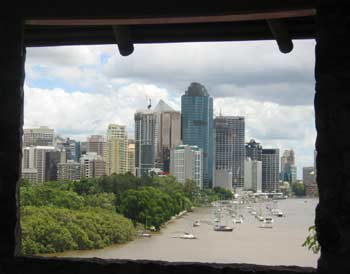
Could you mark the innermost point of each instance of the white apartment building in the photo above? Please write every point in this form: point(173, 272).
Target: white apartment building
point(92, 165)
point(252, 175)
point(186, 162)
point(116, 155)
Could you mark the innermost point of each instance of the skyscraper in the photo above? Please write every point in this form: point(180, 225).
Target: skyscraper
point(97, 144)
point(116, 154)
point(168, 133)
point(186, 164)
point(229, 154)
point(270, 169)
point(92, 165)
point(145, 122)
point(288, 168)
point(253, 175)
point(131, 157)
point(42, 136)
point(69, 171)
point(197, 125)
point(41, 160)
point(253, 150)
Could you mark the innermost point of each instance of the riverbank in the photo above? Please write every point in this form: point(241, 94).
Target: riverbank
point(247, 243)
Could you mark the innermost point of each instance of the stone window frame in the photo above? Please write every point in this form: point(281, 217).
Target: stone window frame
point(329, 110)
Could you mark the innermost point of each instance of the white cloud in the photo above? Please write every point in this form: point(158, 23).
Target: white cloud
point(77, 114)
point(97, 86)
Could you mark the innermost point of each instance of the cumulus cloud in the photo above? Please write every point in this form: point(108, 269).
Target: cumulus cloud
point(78, 91)
point(78, 114)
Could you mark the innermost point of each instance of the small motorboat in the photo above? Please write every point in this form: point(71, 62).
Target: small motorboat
point(196, 223)
point(188, 236)
point(224, 228)
point(145, 234)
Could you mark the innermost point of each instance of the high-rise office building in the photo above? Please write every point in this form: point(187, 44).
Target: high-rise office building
point(229, 151)
point(197, 126)
point(42, 136)
point(145, 123)
point(131, 157)
point(186, 164)
point(167, 133)
point(41, 160)
point(97, 144)
point(69, 171)
point(253, 175)
point(116, 154)
point(253, 150)
point(270, 170)
point(288, 168)
point(92, 165)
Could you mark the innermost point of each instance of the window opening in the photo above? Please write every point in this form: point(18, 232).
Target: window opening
point(238, 116)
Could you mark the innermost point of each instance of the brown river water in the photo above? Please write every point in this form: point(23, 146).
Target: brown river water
point(247, 243)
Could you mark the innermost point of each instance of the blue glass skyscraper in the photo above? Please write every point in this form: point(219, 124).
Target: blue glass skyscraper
point(197, 125)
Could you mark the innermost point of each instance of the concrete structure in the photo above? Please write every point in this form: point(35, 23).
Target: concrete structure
point(131, 158)
point(252, 175)
point(116, 154)
point(69, 171)
point(97, 144)
point(197, 125)
point(229, 151)
point(23, 27)
point(30, 174)
point(167, 133)
point(186, 163)
point(71, 147)
point(145, 125)
point(253, 150)
point(43, 159)
point(288, 167)
point(223, 178)
point(42, 136)
point(270, 170)
point(92, 165)
point(309, 179)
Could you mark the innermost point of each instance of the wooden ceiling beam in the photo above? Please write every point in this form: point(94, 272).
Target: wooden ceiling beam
point(172, 20)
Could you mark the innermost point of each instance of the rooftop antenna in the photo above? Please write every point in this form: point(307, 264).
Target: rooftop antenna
point(220, 112)
point(149, 104)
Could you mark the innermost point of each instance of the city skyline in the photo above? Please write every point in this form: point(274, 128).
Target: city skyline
point(80, 90)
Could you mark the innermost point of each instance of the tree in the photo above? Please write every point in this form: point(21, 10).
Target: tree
point(298, 188)
point(311, 241)
point(224, 194)
point(191, 190)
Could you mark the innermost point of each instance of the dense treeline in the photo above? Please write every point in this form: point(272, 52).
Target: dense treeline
point(96, 212)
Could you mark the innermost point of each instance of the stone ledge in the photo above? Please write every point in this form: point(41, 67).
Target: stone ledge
point(36, 265)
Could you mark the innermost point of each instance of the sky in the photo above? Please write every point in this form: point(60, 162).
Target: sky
point(79, 90)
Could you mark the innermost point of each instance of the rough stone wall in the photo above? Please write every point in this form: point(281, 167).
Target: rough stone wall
point(332, 106)
point(12, 56)
point(99, 266)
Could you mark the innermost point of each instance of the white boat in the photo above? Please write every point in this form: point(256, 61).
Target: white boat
point(260, 218)
point(145, 234)
point(188, 236)
point(280, 213)
point(196, 223)
point(224, 228)
point(268, 220)
point(238, 220)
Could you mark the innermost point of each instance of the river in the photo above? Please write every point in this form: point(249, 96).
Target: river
point(247, 243)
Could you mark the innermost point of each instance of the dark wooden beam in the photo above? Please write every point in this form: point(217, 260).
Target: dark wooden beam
point(299, 28)
point(173, 20)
